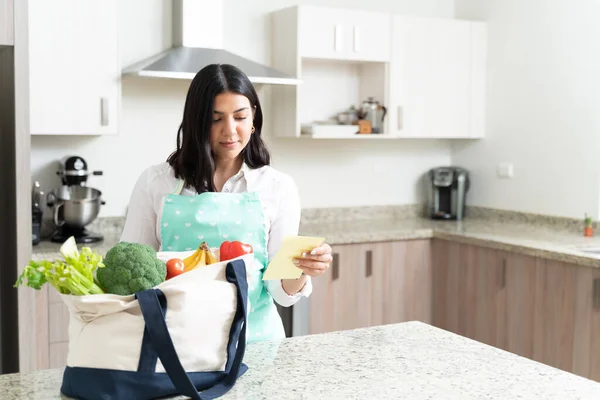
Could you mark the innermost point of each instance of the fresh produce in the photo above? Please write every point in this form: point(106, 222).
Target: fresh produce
point(200, 258)
point(126, 269)
point(190, 261)
point(231, 250)
point(74, 275)
point(175, 267)
point(210, 257)
point(130, 268)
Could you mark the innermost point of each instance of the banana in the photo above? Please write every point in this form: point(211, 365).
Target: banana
point(201, 257)
point(200, 261)
point(190, 261)
point(210, 257)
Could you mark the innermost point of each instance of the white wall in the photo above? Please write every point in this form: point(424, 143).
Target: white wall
point(364, 172)
point(543, 96)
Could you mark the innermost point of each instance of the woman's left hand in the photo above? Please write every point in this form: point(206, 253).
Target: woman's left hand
point(315, 262)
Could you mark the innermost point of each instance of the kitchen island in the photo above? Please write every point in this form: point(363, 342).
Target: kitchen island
point(409, 360)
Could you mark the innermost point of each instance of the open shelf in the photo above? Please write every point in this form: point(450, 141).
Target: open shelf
point(360, 136)
point(328, 88)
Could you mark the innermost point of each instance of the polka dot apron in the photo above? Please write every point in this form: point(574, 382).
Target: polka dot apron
point(214, 218)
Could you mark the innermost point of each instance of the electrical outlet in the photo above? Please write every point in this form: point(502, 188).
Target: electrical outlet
point(505, 170)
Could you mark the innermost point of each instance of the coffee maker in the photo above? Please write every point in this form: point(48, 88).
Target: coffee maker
point(447, 189)
point(74, 205)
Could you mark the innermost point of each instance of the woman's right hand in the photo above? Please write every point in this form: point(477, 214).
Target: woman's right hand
point(315, 262)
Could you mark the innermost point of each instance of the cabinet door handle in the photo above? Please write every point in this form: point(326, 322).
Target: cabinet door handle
point(400, 113)
point(337, 40)
point(335, 266)
point(103, 111)
point(596, 294)
point(503, 274)
point(356, 39)
point(369, 263)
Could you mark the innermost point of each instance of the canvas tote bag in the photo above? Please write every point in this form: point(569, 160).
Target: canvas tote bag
point(185, 336)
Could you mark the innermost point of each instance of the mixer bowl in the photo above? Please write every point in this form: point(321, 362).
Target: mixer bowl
point(75, 206)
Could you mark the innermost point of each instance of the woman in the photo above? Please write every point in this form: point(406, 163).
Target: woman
point(217, 185)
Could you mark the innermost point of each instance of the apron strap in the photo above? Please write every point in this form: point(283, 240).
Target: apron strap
point(179, 187)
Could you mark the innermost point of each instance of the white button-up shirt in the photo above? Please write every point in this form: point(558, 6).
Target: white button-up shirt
point(277, 191)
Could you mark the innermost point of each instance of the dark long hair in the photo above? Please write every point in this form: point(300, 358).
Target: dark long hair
point(193, 160)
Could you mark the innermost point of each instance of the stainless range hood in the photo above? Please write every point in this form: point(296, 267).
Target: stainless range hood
point(198, 41)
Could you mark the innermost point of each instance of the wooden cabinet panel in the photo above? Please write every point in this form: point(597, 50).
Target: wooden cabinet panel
point(373, 284)
point(583, 337)
point(334, 301)
point(594, 372)
point(374, 259)
point(345, 288)
point(554, 296)
point(469, 291)
point(487, 270)
point(407, 289)
point(545, 310)
point(520, 304)
point(445, 275)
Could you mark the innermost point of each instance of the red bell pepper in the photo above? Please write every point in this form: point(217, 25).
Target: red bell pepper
point(231, 250)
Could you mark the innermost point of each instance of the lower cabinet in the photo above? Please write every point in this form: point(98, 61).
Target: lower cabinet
point(58, 330)
point(545, 310)
point(468, 291)
point(373, 284)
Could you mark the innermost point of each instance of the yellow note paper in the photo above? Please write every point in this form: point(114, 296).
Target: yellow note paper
point(282, 264)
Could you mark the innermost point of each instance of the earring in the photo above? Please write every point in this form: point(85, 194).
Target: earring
point(252, 131)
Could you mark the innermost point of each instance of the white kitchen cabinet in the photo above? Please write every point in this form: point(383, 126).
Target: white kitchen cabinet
point(343, 34)
point(74, 69)
point(340, 55)
point(437, 78)
point(430, 73)
point(7, 37)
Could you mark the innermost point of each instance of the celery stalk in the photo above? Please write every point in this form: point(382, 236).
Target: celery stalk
point(74, 275)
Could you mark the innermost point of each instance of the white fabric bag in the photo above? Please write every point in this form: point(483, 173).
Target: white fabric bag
point(108, 332)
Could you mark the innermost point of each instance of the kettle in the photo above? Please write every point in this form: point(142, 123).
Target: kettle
point(373, 112)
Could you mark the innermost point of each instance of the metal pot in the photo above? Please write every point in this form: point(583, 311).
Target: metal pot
point(75, 206)
point(348, 117)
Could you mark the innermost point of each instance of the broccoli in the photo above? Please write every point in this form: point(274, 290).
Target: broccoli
point(130, 268)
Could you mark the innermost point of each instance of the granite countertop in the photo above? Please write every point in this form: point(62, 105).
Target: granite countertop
point(525, 238)
point(410, 360)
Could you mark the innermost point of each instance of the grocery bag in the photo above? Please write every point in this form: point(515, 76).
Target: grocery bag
point(185, 336)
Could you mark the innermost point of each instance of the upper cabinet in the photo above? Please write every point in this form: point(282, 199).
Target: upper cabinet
point(426, 74)
point(343, 34)
point(74, 68)
point(437, 78)
point(7, 37)
point(341, 55)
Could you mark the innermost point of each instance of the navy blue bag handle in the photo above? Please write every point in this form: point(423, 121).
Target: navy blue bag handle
point(235, 272)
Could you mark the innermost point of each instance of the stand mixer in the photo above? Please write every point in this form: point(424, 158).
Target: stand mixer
point(74, 204)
